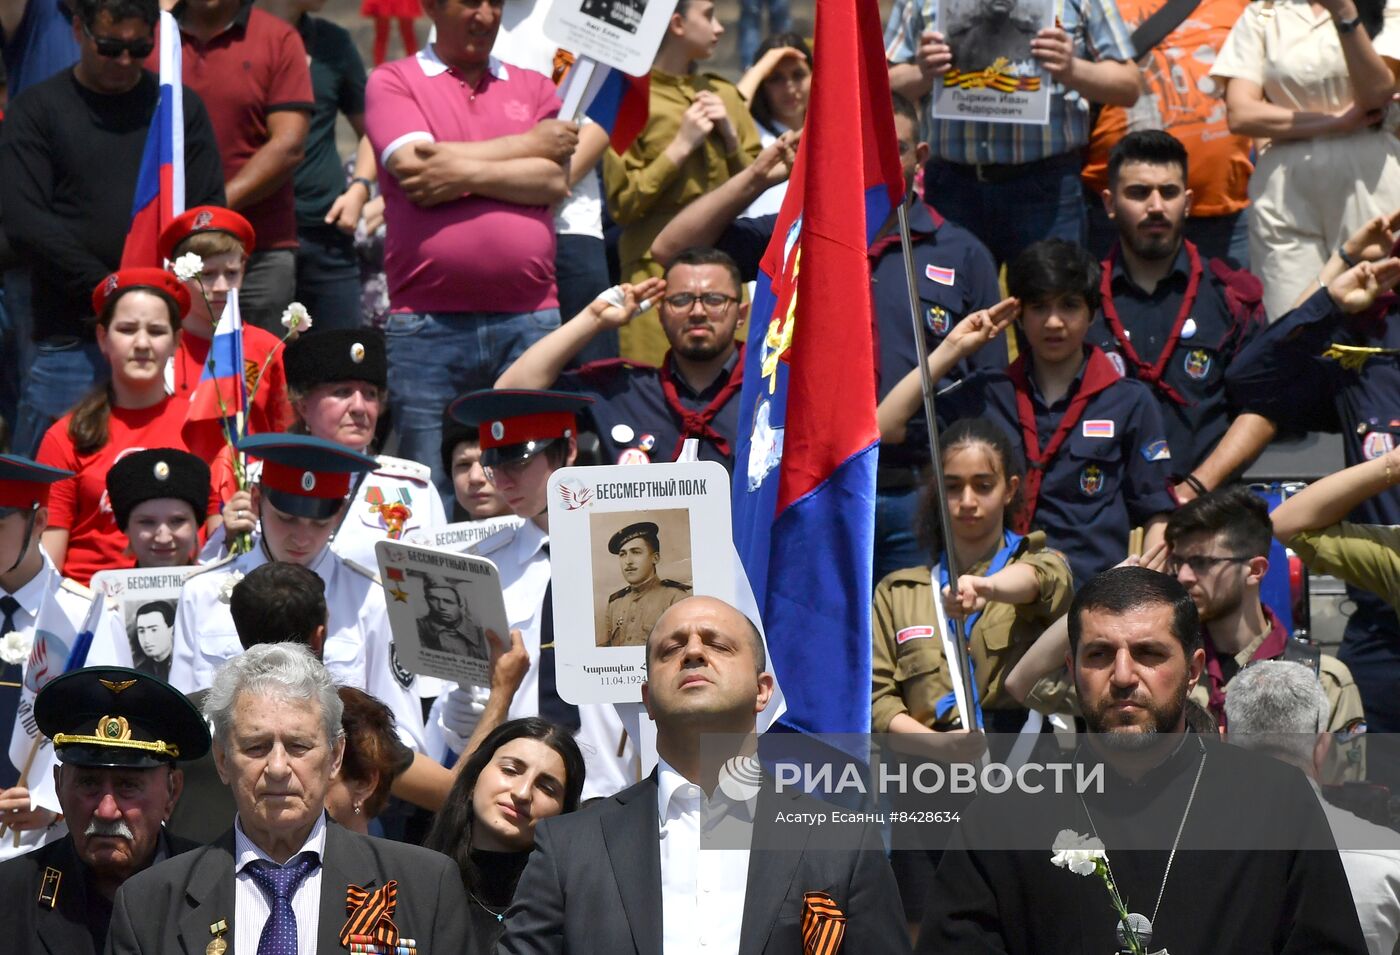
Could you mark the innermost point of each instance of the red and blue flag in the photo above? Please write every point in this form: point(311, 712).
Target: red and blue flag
point(160, 185)
point(804, 474)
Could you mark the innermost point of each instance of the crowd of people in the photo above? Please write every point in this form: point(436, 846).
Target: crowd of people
point(1123, 307)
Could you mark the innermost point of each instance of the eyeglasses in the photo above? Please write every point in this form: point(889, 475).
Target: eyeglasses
point(1201, 564)
point(712, 301)
point(112, 47)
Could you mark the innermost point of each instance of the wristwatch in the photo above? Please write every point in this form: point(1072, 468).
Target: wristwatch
point(1348, 26)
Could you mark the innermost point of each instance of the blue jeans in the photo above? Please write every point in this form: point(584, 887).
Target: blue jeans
point(896, 542)
point(1047, 202)
point(1218, 237)
point(436, 356)
point(751, 25)
point(16, 344)
point(62, 373)
point(581, 271)
point(328, 277)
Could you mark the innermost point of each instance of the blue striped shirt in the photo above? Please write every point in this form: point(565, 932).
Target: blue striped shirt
point(1099, 34)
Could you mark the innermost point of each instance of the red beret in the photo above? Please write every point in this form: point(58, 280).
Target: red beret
point(205, 219)
point(155, 280)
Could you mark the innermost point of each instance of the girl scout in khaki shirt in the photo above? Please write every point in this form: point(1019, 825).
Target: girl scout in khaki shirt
point(1013, 589)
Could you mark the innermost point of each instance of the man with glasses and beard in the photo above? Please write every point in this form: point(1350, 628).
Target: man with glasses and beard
point(644, 414)
point(1184, 822)
point(1175, 319)
point(118, 734)
point(69, 156)
point(1219, 553)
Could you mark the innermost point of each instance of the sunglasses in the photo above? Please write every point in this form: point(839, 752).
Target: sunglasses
point(111, 47)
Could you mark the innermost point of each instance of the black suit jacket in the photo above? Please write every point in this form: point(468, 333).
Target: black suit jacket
point(31, 927)
point(593, 885)
point(168, 908)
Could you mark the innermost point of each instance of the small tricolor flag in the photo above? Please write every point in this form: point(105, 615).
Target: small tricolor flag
point(1098, 428)
point(942, 276)
point(619, 103)
point(160, 184)
point(222, 390)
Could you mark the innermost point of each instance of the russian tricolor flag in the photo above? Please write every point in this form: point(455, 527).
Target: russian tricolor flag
point(160, 186)
point(221, 395)
point(804, 475)
point(619, 103)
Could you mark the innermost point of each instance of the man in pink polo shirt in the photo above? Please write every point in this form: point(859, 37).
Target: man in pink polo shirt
point(475, 159)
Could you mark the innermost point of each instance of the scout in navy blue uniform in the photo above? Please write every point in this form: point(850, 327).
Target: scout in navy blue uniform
point(955, 275)
point(1172, 319)
point(118, 735)
point(1329, 366)
point(1098, 459)
point(644, 414)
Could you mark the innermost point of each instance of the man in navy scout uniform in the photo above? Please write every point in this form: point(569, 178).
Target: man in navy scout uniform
point(119, 736)
point(1098, 462)
point(955, 276)
point(1173, 320)
point(644, 414)
point(525, 437)
point(300, 498)
point(1330, 365)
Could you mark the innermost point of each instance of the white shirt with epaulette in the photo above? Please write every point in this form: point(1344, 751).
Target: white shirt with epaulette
point(110, 647)
point(397, 496)
point(358, 644)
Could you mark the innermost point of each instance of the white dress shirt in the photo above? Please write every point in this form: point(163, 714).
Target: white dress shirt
point(251, 908)
point(702, 890)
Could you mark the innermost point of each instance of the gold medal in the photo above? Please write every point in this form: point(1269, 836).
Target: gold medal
point(216, 946)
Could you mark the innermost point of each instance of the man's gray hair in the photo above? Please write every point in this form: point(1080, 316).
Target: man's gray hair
point(1277, 707)
point(282, 671)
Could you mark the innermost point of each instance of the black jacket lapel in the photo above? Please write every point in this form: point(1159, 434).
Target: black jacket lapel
point(632, 835)
point(210, 896)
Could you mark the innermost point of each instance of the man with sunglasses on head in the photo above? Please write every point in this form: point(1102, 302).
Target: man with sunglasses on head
point(643, 413)
point(70, 153)
point(1219, 552)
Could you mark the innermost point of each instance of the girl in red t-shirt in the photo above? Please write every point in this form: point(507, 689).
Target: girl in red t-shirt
point(138, 325)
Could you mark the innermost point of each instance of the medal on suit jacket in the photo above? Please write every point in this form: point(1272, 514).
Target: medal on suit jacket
point(217, 945)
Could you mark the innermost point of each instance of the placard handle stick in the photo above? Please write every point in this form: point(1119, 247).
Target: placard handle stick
point(576, 84)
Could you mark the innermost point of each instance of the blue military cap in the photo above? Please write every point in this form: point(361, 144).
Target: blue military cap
point(305, 476)
point(24, 484)
point(114, 716)
point(516, 424)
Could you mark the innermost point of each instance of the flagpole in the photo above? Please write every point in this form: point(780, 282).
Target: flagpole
point(945, 523)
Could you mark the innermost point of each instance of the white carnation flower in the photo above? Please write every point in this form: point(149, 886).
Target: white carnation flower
point(296, 318)
point(188, 266)
point(15, 647)
point(1079, 854)
point(230, 582)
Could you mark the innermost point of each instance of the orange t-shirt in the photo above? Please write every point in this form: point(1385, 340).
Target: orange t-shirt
point(1178, 95)
point(270, 410)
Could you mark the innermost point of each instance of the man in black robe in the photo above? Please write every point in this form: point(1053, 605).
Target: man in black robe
point(1222, 850)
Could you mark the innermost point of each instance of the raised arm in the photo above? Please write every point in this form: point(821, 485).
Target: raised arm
point(544, 361)
point(1328, 501)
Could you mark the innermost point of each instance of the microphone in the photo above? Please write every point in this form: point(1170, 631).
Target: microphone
point(1141, 927)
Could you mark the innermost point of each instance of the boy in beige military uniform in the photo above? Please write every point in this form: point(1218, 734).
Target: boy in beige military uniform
point(634, 610)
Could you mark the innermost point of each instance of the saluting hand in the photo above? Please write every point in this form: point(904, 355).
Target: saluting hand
point(1356, 290)
point(621, 303)
point(1374, 240)
point(969, 335)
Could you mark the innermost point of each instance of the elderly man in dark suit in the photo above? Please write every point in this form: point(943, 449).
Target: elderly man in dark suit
point(281, 880)
point(628, 875)
point(118, 734)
